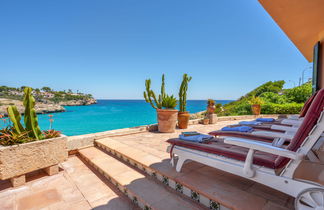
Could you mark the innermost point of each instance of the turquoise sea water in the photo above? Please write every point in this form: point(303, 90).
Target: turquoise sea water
point(109, 115)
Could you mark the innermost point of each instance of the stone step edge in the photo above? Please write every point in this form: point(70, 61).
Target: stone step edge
point(182, 188)
point(136, 199)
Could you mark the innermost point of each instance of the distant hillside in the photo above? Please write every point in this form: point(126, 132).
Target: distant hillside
point(276, 100)
point(48, 100)
point(48, 95)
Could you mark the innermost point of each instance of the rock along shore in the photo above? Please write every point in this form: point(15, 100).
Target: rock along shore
point(42, 107)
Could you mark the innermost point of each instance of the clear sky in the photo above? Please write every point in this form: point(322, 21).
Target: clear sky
point(109, 47)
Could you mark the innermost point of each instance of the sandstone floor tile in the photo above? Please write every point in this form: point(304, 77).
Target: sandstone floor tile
point(148, 190)
point(112, 168)
point(7, 202)
point(275, 206)
point(112, 203)
point(80, 205)
point(90, 152)
point(176, 202)
point(39, 200)
point(148, 160)
point(269, 194)
point(223, 192)
point(129, 177)
point(211, 174)
point(71, 195)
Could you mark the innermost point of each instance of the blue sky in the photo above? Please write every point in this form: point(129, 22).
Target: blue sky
point(108, 48)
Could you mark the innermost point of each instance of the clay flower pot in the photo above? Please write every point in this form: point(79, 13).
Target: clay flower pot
point(256, 109)
point(167, 120)
point(205, 121)
point(183, 120)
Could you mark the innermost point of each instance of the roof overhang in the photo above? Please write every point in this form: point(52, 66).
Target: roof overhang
point(301, 20)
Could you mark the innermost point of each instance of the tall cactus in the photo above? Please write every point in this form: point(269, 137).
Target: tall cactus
point(30, 117)
point(183, 93)
point(15, 118)
point(150, 96)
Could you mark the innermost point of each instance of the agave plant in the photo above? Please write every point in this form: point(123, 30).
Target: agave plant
point(9, 136)
point(51, 134)
point(254, 100)
point(169, 102)
point(30, 117)
point(17, 133)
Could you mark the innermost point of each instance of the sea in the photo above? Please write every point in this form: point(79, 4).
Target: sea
point(108, 115)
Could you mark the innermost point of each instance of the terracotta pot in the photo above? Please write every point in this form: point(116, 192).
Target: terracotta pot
point(205, 121)
point(256, 109)
point(183, 120)
point(167, 120)
point(211, 109)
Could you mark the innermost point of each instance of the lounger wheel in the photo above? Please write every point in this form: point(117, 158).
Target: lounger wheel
point(312, 198)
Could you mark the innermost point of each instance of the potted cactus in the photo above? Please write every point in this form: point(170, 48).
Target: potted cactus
point(26, 148)
point(256, 103)
point(183, 115)
point(164, 105)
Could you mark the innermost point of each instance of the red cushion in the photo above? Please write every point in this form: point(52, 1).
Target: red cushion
point(227, 150)
point(307, 105)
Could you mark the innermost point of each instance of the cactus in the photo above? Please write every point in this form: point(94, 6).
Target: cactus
point(169, 102)
point(30, 117)
point(15, 118)
point(150, 96)
point(183, 93)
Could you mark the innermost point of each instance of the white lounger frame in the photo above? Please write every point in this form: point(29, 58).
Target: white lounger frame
point(283, 182)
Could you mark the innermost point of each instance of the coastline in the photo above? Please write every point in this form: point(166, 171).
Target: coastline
point(42, 107)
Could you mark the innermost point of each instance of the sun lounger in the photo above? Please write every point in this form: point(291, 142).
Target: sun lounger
point(262, 162)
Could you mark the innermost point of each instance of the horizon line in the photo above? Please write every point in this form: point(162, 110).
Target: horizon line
point(144, 99)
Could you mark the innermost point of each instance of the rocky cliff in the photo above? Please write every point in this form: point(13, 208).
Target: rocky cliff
point(40, 108)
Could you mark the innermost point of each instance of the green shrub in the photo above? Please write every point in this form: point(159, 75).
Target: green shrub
point(255, 100)
point(290, 108)
point(270, 97)
point(274, 87)
point(299, 94)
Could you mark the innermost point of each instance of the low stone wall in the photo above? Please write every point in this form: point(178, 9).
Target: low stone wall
point(76, 142)
point(87, 140)
point(20, 159)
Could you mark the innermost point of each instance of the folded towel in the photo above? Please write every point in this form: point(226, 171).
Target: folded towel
point(265, 119)
point(196, 138)
point(249, 123)
point(239, 128)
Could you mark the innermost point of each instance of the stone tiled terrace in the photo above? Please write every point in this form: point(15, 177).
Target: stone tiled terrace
point(75, 187)
point(79, 185)
point(240, 193)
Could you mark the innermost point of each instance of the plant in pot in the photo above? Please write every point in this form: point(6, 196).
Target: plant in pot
point(211, 106)
point(205, 121)
point(256, 103)
point(164, 105)
point(183, 115)
point(26, 148)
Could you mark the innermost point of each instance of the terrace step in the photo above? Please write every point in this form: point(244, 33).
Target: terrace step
point(141, 189)
point(210, 187)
